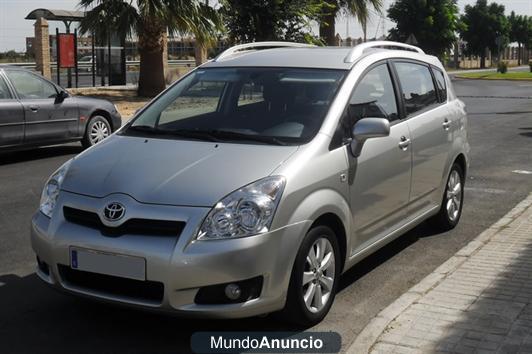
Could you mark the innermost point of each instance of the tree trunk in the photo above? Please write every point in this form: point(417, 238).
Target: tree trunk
point(200, 52)
point(483, 61)
point(327, 25)
point(150, 45)
point(151, 73)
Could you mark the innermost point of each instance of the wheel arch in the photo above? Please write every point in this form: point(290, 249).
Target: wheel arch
point(322, 207)
point(462, 162)
point(335, 223)
point(104, 114)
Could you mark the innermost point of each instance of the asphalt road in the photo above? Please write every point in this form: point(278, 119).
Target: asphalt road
point(36, 319)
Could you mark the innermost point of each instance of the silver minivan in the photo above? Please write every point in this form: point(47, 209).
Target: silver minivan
point(250, 185)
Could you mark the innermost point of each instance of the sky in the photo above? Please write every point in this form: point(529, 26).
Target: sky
point(14, 28)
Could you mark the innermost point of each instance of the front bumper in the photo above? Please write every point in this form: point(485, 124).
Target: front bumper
point(180, 264)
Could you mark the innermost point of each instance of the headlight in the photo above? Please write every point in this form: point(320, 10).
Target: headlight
point(245, 212)
point(51, 190)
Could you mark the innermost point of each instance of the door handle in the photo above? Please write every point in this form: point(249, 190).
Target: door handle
point(404, 143)
point(34, 108)
point(446, 124)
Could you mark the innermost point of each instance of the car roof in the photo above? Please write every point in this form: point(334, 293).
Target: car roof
point(318, 57)
point(301, 56)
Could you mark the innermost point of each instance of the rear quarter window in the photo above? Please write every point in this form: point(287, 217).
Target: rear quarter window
point(440, 83)
point(4, 91)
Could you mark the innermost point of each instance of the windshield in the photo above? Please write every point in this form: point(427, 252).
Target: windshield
point(282, 106)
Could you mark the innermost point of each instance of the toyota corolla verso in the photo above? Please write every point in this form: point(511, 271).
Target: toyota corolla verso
point(250, 185)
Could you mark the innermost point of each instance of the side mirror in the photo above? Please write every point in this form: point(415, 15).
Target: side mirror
point(60, 97)
point(365, 129)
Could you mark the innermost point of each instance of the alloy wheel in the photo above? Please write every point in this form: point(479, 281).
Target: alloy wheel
point(454, 196)
point(318, 275)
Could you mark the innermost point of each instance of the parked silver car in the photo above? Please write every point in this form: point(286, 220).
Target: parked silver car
point(254, 182)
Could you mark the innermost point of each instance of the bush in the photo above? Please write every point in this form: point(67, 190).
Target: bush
point(530, 64)
point(502, 67)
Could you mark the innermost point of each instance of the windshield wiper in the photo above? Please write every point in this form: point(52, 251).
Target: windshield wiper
point(194, 134)
point(209, 135)
point(227, 134)
point(144, 129)
point(184, 133)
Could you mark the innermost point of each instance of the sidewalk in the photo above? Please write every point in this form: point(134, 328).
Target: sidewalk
point(479, 301)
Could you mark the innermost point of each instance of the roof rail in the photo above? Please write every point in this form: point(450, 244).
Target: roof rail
point(359, 49)
point(248, 46)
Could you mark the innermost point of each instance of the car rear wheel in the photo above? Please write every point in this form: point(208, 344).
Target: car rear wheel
point(314, 278)
point(453, 197)
point(98, 129)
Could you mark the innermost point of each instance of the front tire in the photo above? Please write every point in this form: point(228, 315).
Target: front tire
point(453, 198)
point(314, 278)
point(98, 128)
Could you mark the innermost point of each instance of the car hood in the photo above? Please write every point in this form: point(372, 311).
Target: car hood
point(173, 172)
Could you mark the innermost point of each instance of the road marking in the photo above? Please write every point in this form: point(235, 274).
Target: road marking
point(522, 172)
point(485, 190)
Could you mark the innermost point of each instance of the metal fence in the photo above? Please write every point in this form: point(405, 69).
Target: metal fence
point(86, 66)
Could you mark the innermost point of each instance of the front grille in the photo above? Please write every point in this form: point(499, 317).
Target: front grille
point(148, 227)
point(147, 291)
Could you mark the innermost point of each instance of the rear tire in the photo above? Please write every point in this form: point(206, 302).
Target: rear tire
point(453, 200)
point(98, 128)
point(314, 278)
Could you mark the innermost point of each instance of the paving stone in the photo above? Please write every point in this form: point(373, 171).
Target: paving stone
point(479, 301)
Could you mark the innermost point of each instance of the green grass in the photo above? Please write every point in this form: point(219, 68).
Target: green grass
point(513, 75)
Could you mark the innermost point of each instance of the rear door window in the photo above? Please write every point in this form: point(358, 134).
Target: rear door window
point(417, 86)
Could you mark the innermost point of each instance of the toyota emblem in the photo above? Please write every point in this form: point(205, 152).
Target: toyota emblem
point(114, 211)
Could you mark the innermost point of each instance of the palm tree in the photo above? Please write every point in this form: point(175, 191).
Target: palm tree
point(357, 8)
point(150, 20)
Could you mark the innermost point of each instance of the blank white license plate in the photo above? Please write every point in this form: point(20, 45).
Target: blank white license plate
point(108, 263)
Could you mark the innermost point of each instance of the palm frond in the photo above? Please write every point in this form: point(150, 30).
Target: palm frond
point(360, 9)
point(109, 16)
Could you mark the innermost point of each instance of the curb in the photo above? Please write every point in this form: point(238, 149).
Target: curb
point(369, 335)
point(461, 77)
point(456, 72)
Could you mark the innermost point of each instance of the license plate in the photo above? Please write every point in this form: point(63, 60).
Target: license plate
point(108, 263)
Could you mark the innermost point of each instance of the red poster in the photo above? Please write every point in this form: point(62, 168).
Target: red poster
point(67, 57)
